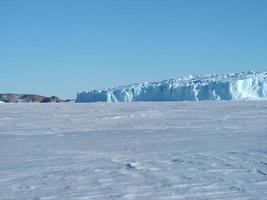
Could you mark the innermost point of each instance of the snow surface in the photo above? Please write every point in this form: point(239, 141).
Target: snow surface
point(208, 87)
point(140, 150)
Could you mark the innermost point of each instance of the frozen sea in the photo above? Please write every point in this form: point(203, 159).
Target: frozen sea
point(140, 150)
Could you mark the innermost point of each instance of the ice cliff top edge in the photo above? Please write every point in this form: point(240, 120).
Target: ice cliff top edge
point(235, 86)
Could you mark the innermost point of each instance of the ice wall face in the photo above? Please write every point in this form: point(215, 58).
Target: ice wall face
point(208, 87)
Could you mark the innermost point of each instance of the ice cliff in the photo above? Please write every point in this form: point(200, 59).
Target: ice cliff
point(245, 85)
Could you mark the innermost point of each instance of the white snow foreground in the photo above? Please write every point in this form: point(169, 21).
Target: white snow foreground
point(141, 150)
point(246, 85)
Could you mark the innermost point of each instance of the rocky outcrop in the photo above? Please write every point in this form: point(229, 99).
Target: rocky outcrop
point(27, 98)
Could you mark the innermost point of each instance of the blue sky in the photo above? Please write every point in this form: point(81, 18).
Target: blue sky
point(60, 47)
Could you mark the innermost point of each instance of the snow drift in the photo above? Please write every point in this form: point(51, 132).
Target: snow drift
point(245, 85)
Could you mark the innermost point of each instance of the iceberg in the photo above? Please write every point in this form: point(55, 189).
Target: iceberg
point(234, 86)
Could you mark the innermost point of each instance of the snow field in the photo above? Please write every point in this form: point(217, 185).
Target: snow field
point(160, 150)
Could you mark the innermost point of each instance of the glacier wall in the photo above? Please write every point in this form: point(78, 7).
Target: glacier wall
point(245, 85)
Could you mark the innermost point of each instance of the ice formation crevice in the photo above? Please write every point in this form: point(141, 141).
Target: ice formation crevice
point(245, 85)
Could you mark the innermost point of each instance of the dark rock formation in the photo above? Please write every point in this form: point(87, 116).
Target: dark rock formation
point(51, 99)
point(27, 98)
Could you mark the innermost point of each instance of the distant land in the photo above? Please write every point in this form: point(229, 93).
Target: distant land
point(29, 98)
point(233, 86)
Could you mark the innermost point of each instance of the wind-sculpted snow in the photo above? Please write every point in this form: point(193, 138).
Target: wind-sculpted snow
point(246, 85)
point(136, 151)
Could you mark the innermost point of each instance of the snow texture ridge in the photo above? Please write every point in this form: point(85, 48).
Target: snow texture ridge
point(245, 85)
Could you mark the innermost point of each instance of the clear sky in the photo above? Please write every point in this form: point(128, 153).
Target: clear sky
point(60, 47)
